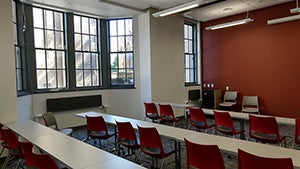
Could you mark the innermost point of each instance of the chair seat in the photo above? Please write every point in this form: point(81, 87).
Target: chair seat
point(227, 104)
point(269, 138)
point(250, 110)
point(100, 134)
point(67, 131)
point(129, 143)
point(201, 124)
point(152, 116)
point(156, 152)
point(228, 130)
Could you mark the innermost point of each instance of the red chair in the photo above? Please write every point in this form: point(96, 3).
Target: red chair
point(297, 131)
point(251, 161)
point(151, 144)
point(44, 161)
point(30, 158)
point(224, 124)
point(127, 137)
point(151, 112)
point(97, 129)
point(203, 156)
point(264, 129)
point(167, 114)
point(3, 139)
point(14, 148)
point(198, 119)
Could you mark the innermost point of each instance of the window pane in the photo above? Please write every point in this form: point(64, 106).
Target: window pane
point(95, 77)
point(94, 61)
point(129, 45)
point(38, 18)
point(79, 78)
point(60, 60)
point(85, 25)
point(113, 27)
point(48, 19)
point(113, 44)
point(39, 38)
point(58, 18)
point(52, 79)
point(128, 23)
point(122, 60)
point(78, 45)
point(77, 26)
point(186, 34)
point(93, 43)
point(41, 79)
point(15, 35)
point(190, 32)
point(190, 46)
point(61, 79)
point(51, 64)
point(93, 26)
point(49, 39)
point(129, 60)
point(19, 79)
point(87, 61)
point(114, 60)
point(86, 42)
point(121, 28)
point(121, 43)
point(87, 78)
point(18, 57)
point(59, 40)
point(40, 59)
point(78, 60)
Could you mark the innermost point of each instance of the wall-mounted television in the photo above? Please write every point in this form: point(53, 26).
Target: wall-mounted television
point(194, 94)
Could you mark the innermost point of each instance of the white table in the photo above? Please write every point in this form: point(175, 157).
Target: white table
point(70, 151)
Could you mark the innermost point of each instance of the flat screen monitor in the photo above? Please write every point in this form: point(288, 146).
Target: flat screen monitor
point(194, 94)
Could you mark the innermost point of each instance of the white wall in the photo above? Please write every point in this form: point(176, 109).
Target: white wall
point(25, 110)
point(8, 98)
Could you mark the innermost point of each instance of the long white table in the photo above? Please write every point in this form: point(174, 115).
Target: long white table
point(224, 143)
point(70, 151)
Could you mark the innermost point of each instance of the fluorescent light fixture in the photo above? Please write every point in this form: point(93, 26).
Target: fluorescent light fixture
point(285, 19)
point(228, 24)
point(179, 8)
point(295, 10)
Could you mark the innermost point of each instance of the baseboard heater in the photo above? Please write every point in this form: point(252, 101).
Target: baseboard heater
point(71, 103)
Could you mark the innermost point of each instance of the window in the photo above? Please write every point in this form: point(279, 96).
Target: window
point(121, 52)
point(17, 49)
point(86, 52)
point(50, 53)
point(190, 60)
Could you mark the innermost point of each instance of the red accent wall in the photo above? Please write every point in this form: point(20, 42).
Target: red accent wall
point(256, 59)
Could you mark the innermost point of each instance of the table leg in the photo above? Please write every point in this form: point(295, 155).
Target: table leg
point(177, 154)
point(242, 127)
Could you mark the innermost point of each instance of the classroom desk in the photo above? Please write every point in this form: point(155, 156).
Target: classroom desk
point(70, 151)
point(224, 143)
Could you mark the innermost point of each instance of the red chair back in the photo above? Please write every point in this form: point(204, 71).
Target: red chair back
point(166, 110)
point(46, 162)
point(197, 114)
point(126, 131)
point(203, 156)
point(2, 134)
point(223, 119)
point(150, 137)
point(297, 130)
point(96, 123)
point(251, 161)
point(265, 125)
point(12, 140)
point(150, 108)
point(30, 159)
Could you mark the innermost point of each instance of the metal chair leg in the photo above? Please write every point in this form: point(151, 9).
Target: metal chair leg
point(137, 156)
point(162, 163)
point(6, 162)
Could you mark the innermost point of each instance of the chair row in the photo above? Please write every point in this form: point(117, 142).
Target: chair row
point(166, 113)
point(23, 150)
point(211, 158)
point(150, 143)
point(261, 128)
point(249, 104)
